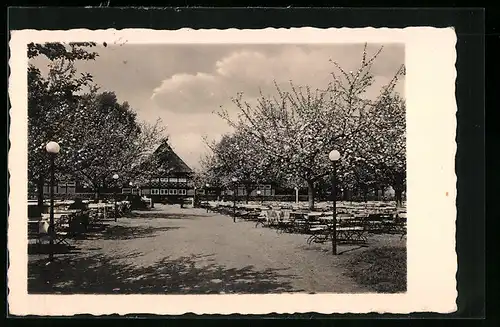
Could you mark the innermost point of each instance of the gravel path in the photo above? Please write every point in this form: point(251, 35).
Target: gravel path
point(174, 250)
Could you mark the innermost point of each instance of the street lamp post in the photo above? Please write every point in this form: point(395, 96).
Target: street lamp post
point(194, 198)
point(296, 195)
point(136, 186)
point(131, 198)
point(234, 179)
point(52, 148)
point(334, 156)
point(258, 196)
point(206, 193)
point(115, 177)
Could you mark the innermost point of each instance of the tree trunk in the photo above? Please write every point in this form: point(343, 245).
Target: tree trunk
point(247, 195)
point(310, 194)
point(96, 196)
point(398, 190)
point(40, 185)
point(97, 188)
point(399, 197)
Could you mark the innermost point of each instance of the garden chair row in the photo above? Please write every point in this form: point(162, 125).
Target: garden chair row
point(350, 227)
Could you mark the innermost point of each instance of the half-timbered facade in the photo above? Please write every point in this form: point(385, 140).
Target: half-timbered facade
point(169, 181)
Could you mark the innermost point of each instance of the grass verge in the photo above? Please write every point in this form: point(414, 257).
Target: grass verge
point(381, 269)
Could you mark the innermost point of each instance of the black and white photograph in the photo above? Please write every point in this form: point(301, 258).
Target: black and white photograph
point(223, 168)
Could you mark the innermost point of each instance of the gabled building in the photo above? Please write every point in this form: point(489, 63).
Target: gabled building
point(169, 179)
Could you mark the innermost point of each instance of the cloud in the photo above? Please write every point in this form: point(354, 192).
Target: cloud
point(184, 84)
point(252, 71)
point(187, 100)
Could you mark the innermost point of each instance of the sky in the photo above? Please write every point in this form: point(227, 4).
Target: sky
point(183, 84)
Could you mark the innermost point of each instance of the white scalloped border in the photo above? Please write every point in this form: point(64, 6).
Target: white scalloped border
point(431, 148)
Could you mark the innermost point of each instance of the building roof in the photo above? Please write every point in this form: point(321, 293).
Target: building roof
point(169, 161)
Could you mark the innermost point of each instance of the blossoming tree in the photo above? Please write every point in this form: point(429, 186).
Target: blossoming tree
point(98, 135)
point(237, 156)
point(385, 149)
point(50, 99)
point(296, 129)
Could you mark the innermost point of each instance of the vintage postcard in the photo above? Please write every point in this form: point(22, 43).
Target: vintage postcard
point(232, 171)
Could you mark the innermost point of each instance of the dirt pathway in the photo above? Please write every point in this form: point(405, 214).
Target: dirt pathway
point(173, 250)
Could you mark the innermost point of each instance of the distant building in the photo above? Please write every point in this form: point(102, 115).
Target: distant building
point(170, 181)
point(63, 188)
point(266, 189)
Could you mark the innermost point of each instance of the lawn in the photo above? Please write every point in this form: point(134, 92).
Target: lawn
point(382, 269)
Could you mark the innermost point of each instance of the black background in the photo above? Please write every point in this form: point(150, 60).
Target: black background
point(470, 87)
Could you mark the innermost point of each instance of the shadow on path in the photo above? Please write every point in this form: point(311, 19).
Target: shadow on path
point(44, 248)
point(164, 215)
point(340, 249)
point(103, 275)
point(128, 232)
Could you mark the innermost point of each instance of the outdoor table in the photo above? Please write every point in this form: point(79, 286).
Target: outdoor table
point(57, 216)
point(298, 215)
point(68, 212)
point(101, 206)
point(312, 215)
point(339, 218)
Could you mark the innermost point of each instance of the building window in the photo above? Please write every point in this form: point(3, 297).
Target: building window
point(135, 191)
point(268, 187)
point(164, 180)
point(182, 179)
point(155, 191)
point(182, 192)
point(145, 191)
point(163, 191)
point(125, 190)
point(172, 179)
point(61, 188)
point(172, 192)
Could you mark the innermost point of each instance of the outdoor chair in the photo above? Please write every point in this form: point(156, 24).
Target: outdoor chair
point(297, 224)
point(44, 232)
point(283, 222)
point(62, 230)
point(375, 223)
point(79, 224)
point(276, 218)
point(318, 234)
point(262, 218)
point(352, 231)
point(400, 224)
point(253, 215)
point(347, 232)
point(39, 231)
